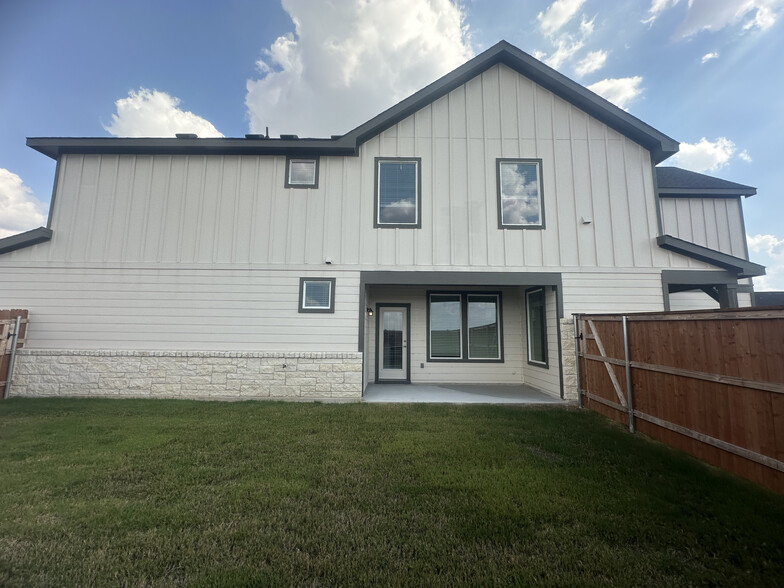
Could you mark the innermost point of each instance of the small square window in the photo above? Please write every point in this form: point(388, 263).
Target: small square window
point(520, 201)
point(397, 191)
point(302, 172)
point(317, 295)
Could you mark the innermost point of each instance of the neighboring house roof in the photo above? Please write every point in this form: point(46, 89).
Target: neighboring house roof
point(660, 145)
point(743, 267)
point(768, 298)
point(676, 181)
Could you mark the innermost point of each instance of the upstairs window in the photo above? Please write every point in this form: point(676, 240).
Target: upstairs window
point(317, 295)
point(520, 199)
point(302, 172)
point(397, 194)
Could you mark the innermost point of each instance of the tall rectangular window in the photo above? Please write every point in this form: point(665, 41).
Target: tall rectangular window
point(536, 312)
point(520, 200)
point(302, 172)
point(446, 334)
point(483, 333)
point(397, 198)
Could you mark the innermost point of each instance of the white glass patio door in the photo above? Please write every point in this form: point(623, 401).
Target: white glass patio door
point(392, 347)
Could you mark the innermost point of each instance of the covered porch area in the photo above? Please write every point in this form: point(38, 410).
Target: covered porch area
point(470, 337)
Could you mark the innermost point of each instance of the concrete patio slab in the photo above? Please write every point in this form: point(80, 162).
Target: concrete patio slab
point(458, 394)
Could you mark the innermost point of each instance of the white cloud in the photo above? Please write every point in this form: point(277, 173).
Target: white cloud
point(744, 155)
point(619, 91)
point(770, 253)
point(565, 47)
point(20, 210)
point(592, 62)
point(557, 15)
point(714, 15)
point(657, 7)
point(150, 113)
point(708, 56)
point(348, 61)
point(705, 155)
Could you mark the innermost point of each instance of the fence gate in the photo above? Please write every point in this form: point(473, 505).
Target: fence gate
point(710, 383)
point(13, 330)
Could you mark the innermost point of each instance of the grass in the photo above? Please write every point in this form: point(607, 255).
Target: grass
point(127, 492)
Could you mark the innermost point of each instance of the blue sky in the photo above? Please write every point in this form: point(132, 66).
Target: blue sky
point(706, 72)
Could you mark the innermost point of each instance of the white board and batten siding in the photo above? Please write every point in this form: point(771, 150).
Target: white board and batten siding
point(209, 249)
point(716, 223)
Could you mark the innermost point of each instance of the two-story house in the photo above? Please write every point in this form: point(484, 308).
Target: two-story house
point(448, 239)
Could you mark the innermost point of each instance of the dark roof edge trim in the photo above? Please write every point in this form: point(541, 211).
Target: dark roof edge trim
point(660, 145)
point(657, 142)
point(26, 239)
point(744, 268)
point(705, 192)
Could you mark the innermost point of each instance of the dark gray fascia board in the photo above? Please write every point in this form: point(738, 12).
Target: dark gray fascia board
point(14, 242)
point(743, 268)
point(448, 278)
point(657, 142)
point(712, 193)
point(660, 145)
point(55, 146)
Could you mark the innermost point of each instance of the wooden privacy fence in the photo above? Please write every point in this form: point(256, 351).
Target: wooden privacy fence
point(13, 329)
point(710, 383)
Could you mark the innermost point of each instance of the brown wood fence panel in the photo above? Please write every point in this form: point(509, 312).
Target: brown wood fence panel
point(710, 383)
point(7, 325)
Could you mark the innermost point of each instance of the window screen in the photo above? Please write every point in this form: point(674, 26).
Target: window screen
point(317, 295)
point(397, 193)
point(301, 172)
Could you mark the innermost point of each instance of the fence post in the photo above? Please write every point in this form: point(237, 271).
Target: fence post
point(576, 320)
point(7, 388)
point(627, 364)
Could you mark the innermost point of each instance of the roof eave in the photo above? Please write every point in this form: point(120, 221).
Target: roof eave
point(743, 267)
point(55, 146)
point(674, 192)
point(26, 239)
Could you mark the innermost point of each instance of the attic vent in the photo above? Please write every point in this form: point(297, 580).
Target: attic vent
point(289, 137)
point(186, 136)
point(253, 136)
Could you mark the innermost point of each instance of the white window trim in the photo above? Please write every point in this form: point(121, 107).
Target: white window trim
point(303, 286)
point(313, 184)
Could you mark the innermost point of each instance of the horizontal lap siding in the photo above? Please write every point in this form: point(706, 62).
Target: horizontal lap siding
point(612, 292)
point(228, 310)
point(692, 300)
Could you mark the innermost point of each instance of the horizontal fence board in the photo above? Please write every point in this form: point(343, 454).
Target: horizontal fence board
point(710, 383)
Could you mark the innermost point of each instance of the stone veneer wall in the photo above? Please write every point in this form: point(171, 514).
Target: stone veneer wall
point(188, 374)
point(569, 361)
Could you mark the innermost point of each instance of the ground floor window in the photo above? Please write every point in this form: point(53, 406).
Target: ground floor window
point(464, 326)
point(536, 318)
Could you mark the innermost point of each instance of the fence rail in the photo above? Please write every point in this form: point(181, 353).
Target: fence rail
point(13, 330)
point(710, 383)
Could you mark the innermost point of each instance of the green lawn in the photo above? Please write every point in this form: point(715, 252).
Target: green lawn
point(136, 492)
